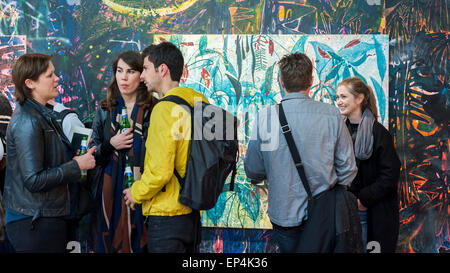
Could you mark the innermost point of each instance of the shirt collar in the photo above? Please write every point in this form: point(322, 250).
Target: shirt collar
point(295, 95)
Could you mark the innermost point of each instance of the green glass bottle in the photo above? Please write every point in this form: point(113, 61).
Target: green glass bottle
point(83, 150)
point(129, 178)
point(124, 123)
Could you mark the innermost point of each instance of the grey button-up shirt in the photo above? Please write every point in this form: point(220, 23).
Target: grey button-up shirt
point(325, 147)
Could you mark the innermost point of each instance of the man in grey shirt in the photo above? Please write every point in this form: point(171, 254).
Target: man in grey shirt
point(323, 142)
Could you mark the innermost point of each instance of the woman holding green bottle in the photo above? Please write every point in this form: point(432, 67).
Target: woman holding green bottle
point(128, 104)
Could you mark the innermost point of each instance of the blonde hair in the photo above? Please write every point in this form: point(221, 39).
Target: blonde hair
point(357, 86)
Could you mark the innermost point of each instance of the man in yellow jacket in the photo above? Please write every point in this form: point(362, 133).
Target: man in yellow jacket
point(172, 227)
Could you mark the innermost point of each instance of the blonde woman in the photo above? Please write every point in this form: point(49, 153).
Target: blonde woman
point(375, 185)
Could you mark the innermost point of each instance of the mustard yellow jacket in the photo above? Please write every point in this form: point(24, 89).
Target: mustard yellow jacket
point(167, 148)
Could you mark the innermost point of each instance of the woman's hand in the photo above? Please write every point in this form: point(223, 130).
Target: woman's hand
point(86, 161)
point(122, 140)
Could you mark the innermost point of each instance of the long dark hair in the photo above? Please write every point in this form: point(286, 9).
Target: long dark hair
point(144, 97)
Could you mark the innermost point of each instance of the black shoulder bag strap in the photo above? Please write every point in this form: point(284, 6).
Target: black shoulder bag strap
point(294, 153)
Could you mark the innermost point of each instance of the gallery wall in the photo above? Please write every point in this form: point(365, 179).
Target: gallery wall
point(85, 36)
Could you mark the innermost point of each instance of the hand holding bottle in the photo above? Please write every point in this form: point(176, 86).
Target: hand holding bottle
point(86, 161)
point(122, 140)
point(124, 137)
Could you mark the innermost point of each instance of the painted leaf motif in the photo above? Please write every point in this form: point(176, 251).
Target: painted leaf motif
point(381, 61)
point(300, 44)
point(335, 56)
point(323, 53)
point(379, 93)
point(185, 74)
point(203, 44)
point(216, 213)
point(187, 44)
point(236, 85)
point(356, 73)
point(346, 73)
point(258, 42)
point(333, 73)
point(360, 61)
point(266, 87)
point(271, 47)
point(248, 199)
point(206, 76)
point(352, 43)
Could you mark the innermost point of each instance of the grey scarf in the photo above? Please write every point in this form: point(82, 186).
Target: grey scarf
point(364, 136)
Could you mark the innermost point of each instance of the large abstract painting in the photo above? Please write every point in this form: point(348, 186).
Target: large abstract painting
point(11, 48)
point(86, 35)
point(240, 74)
point(419, 88)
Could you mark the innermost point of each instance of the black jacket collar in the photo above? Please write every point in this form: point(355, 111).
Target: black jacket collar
point(49, 115)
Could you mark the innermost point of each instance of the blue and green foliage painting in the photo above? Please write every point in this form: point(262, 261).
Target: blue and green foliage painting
point(240, 74)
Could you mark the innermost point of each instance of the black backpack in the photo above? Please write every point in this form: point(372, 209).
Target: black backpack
point(210, 159)
point(82, 195)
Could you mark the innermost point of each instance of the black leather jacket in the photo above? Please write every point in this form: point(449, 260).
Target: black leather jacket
point(101, 135)
point(39, 163)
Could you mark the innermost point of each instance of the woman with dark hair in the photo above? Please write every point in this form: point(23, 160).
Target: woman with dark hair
point(376, 183)
point(40, 163)
point(121, 229)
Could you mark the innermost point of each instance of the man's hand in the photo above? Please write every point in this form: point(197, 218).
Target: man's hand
point(361, 207)
point(128, 200)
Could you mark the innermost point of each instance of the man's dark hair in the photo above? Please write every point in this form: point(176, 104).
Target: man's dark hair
point(168, 54)
point(296, 72)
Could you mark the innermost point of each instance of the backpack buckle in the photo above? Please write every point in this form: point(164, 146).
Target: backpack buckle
point(285, 129)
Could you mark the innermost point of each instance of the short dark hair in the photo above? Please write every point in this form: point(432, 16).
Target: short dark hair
point(28, 66)
point(144, 98)
point(166, 53)
point(296, 72)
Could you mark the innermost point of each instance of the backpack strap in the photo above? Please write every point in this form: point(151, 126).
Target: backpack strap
point(179, 101)
point(61, 115)
point(145, 126)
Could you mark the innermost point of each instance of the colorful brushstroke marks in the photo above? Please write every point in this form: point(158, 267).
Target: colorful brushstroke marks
point(323, 17)
point(11, 48)
point(220, 240)
point(420, 114)
point(190, 16)
point(251, 17)
point(240, 74)
point(84, 36)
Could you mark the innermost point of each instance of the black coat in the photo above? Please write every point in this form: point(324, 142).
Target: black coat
point(39, 164)
point(376, 187)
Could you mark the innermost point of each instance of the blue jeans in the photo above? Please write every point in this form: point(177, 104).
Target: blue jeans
point(363, 220)
point(174, 234)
